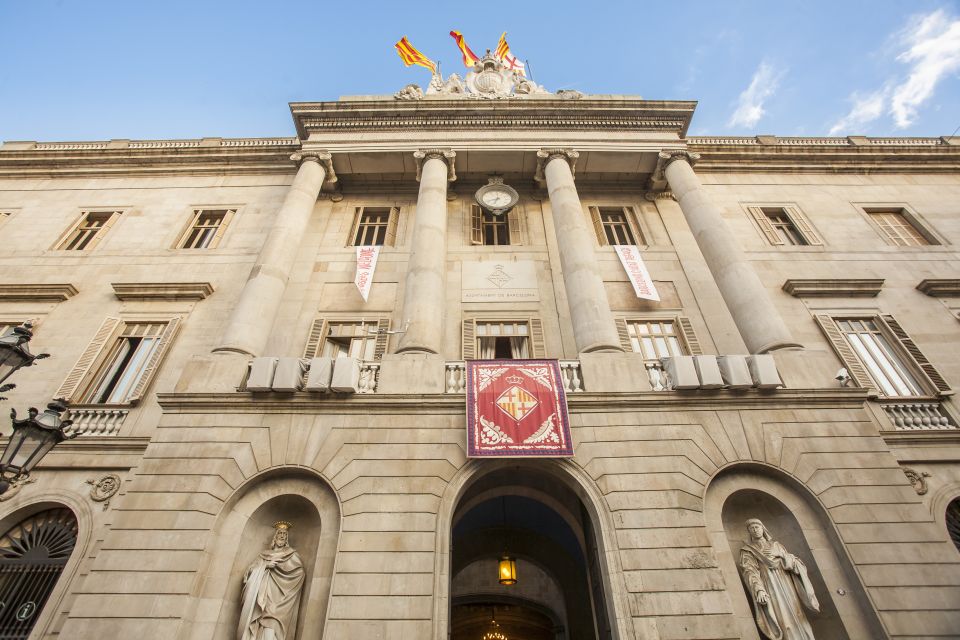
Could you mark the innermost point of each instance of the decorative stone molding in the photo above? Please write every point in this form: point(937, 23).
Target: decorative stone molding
point(447, 155)
point(162, 290)
point(15, 486)
point(833, 287)
point(544, 156)
point(323, 158)
point(104, 489)
point(918, 479)
point(940, 287)
point(663, 194)
point(36, 292)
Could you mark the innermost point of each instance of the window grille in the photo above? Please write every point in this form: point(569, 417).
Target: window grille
point(375, 226)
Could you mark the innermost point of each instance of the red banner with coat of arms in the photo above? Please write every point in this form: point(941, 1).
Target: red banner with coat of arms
point(516, 408)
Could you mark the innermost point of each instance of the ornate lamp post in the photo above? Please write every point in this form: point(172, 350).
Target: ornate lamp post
point(14, 353)
point(31, 439)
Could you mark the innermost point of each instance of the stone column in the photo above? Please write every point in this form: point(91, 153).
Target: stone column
point(756, 317)
point(253, 317)
point(593, 324)
point(424, 297)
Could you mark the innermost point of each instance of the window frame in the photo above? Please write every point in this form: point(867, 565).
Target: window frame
point(759, 213)
point(229, 212)
point(320, 332)
point(390, 231)
point(514, 219)
point(915, 220)
point(634, 222)
point(470, 341)
point(683, 330)
point(65, 238)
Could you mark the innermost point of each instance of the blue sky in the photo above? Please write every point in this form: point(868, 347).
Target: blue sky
point(99, 70)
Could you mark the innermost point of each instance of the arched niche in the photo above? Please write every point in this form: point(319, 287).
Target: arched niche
point(796, 519)
point(245, 528)
point(550, 482)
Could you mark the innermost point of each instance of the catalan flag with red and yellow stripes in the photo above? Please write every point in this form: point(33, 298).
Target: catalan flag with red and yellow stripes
point(503, 55)
point(410, 55)
point(469, 57)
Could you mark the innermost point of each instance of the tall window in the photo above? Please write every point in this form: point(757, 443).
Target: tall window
point(502, 339)
point(495, 230)
point(362, 339)
point(33, 554)
point(784, 226)
point(897, 229)
point(616, 225)
point(655, 339)
point(374, 226)
point(883, 363)
point(88, 231)
point(206, 229)
point(953, 521)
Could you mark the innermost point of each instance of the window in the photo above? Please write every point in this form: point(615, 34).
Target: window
point(88, 231)
point(616, 225)
point(899, 228)
point(879, 354)
point(206, 229)
point(502, 339)
point(495, 230)
point(361, 339)
point(784, 226)
point(658, 338)
point(375, 226)
point(953, 521)
point(119, 362)
point(4, 216)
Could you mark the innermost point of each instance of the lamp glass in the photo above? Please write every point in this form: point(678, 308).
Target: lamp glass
point(11, 359)
point(507, 570)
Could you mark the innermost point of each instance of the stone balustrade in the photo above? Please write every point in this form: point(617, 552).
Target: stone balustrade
point(456, 376)
point(369, 377)
point(918, 416)
point(96, 421)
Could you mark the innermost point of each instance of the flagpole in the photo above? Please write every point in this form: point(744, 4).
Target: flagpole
point(529, 70)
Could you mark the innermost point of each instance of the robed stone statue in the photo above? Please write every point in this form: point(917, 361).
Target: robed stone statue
point(271, 591)
point(778, 585)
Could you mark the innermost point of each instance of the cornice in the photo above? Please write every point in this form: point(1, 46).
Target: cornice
point(36, 292)
point(162, 290)
point(833, 287)
point(940, 287)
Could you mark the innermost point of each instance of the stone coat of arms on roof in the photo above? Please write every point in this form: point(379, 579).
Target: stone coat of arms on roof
point(489, 79)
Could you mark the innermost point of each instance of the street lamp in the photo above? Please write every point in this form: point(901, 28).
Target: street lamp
point(31, 439)
point(14, 353)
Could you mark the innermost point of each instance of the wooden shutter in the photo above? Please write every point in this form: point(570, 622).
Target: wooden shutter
point(631, 216)
point(933, 376)
point(380, 348)
point(623, 333)
point(844, 351)
point(803, 226)
point(476, 224)
point(598, 226)
point(166, 337)
point(514, 226)
point(765, 226)
point(71, 384)
point(352, 238)
point(538, 347)
point(318, 330)
point(391, 239)
point(95, 240)
point(221, 229)
point(469, 339)
point(689, 337)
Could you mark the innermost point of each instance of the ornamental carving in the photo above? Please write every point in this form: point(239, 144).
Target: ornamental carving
point(104, 488)
point(489, 79)
point(918, 479)
point(447, 155)
point(323, 158)
point(544, 156)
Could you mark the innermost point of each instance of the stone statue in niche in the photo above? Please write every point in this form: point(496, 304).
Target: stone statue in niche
point(778, 585)
point(271, 591)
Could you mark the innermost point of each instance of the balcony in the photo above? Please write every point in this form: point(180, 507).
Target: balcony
point(917, 415)
point(456, 376)
point(95, 420)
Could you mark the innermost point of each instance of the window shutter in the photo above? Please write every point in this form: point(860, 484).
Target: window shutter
point(764, 223)
point(70, 385)
point(514, 226)
point(218, 234)
point(469, 339)
point(537, 343)
point(631, 215)
point(352, 238)
point(380, 348)
point(95, 240)
point(928, 369)
point(391, 239)
point(476, 227)
point(803, 226)
point(598, 226)
point(844, 351)
point(624, 334)
point(150, 370)
point(317, 331)
point(686, 328)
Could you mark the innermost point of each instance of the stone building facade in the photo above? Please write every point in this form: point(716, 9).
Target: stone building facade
point(169, 279)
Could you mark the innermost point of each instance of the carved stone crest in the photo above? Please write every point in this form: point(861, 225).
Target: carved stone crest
point(918, 479)
point(489, 78)
point(104, 489)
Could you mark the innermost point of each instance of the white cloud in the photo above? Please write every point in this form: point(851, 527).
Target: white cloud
point(933, 49)
point(865, 109)
point(750, 103)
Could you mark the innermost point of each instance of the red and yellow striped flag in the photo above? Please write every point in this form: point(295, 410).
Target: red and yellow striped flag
point(410, 56)
point(508, 59)
point(469, 57)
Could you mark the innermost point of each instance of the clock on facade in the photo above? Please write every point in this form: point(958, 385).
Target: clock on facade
point(497, 197)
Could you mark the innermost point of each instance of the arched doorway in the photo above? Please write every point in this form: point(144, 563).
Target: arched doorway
point(33, 554)
point(523, 512)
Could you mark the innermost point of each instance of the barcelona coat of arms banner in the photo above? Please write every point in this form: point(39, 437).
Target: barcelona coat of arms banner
point(516, 408)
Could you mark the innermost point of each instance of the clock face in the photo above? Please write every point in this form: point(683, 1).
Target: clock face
point(497, 199)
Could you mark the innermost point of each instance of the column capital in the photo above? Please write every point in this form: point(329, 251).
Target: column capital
point(323, 158)
point(658, 179)
point(544, 156)
point(447, 155)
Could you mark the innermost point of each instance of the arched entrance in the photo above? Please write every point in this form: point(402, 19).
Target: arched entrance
point(521, 511)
